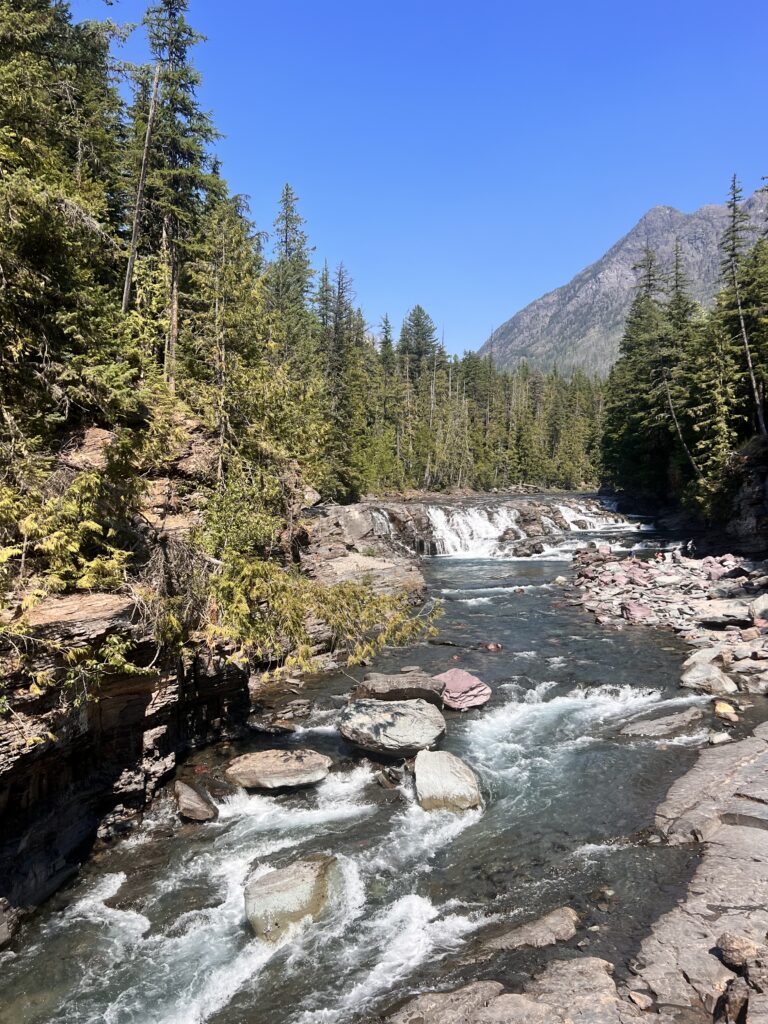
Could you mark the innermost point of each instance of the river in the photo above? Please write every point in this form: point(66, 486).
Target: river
point(153, 931)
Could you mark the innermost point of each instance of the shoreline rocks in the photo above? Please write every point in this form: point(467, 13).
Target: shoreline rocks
point(278, 769)
point(714, 604)
point(392, 728)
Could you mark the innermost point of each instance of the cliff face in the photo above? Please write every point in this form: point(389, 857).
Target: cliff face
point(74, 775)
point(581, 323)
point(67, 774)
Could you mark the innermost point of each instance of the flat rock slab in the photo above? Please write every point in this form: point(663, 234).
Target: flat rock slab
point(193, 805)
point(394, 728)
point(278, 769)
point(445, 783)
point(279, 899)
point(666, 726)
point(558, 926)
point(414, 685)
point(463, 690)
point(579, 991)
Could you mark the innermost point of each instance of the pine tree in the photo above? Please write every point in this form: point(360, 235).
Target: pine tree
point(179, 175)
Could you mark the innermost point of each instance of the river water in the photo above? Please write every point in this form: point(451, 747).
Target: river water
point(153, 931)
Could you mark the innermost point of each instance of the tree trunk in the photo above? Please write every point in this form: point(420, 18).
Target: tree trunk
point(140, 194)
point(748, 353)
point(680, 437)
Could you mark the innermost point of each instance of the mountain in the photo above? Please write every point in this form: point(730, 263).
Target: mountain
point(581, 323)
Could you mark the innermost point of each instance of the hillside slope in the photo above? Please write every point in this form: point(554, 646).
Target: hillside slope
point(580, 324)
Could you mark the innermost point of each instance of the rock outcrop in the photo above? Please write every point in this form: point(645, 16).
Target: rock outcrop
point(278, 769)
point(693, 961)
point(392, 728)
point(579, 991)
point(445, 783)
point(70, 772)
point(276, 901)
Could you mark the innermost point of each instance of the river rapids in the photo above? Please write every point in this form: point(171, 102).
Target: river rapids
point(153, 931)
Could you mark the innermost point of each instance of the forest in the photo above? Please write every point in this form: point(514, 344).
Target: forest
point(137, 295)
point(685, 403)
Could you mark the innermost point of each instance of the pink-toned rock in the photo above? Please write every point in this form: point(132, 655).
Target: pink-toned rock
point(463, 690)
point(634, 611)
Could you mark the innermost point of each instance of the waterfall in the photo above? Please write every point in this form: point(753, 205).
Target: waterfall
point(472, 532)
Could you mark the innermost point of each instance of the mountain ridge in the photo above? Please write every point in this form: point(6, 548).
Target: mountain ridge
point(578, 325)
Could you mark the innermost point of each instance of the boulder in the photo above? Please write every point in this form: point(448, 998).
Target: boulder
point(738, 950)
point(192, 804)
point(414, 685)
point(701, 673)
point(463, 690)
point(558, 926)
point(393, 728)
point(666, 726)
point(278, 769)
point(445, 783)
point(275, 901)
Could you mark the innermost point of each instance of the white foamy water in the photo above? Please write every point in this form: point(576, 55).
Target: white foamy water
point(472, 532)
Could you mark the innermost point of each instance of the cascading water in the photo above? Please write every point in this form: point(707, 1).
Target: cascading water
point(154, 929)
point(490, 530)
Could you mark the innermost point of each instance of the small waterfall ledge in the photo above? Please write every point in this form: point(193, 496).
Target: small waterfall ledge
point(517, 527)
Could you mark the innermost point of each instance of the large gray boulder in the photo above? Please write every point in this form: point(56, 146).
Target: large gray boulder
point(393, 728)
point(278, 769)
point(192, 804)
point(275, 901)
point(404, 686)
point(445, 783)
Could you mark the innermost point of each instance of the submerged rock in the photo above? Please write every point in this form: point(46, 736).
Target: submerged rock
point(394, 728)
point(445, 783)
point(463, 690)
point(413, 685)
point(665, 726)
point(278, 769)
point(275, 901)
point(192, 804)
point(558, 926)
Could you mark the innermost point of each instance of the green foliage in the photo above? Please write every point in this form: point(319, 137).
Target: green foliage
point(688, 389)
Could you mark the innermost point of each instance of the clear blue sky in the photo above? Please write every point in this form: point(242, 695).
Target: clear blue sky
point(471, 156)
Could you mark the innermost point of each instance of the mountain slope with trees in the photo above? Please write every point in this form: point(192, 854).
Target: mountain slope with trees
point(580, 324)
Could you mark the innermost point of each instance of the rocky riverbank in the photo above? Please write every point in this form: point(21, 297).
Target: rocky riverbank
point(716, 604)
point(706, 960)
point(77, 774)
